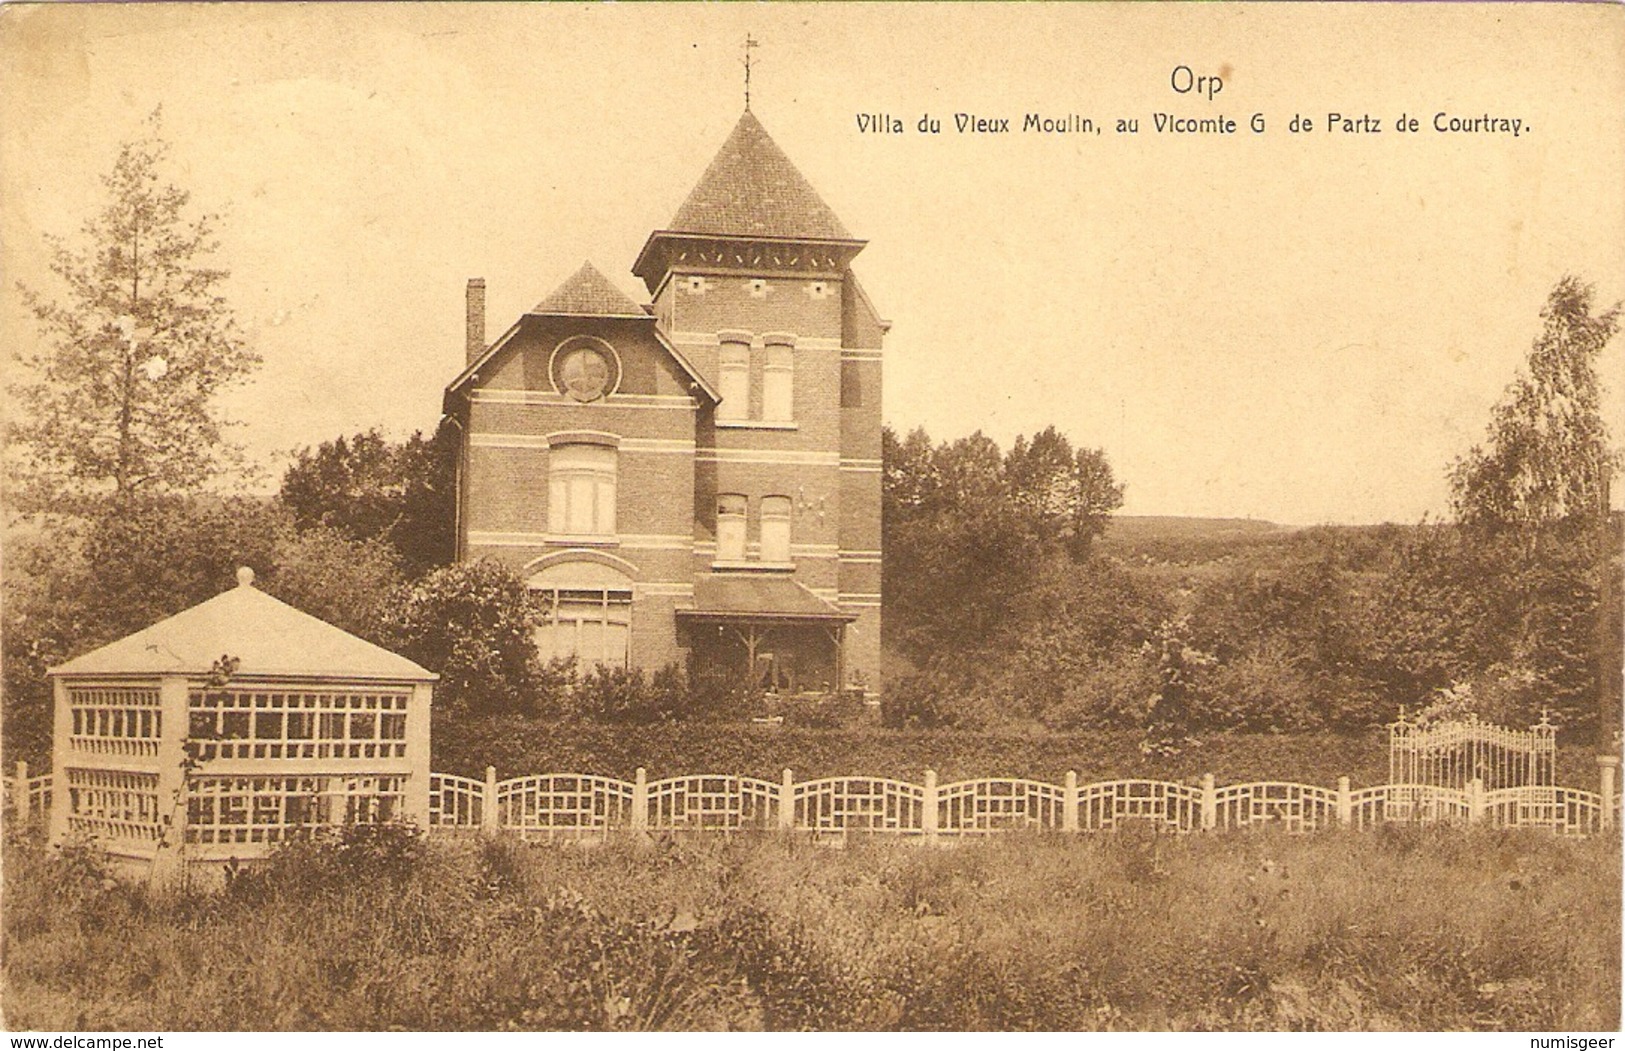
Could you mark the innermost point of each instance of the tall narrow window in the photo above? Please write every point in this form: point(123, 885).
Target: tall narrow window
point(775, 529)
point(730, 528)
point(777, 376)
point(733, 381)
point(581, 490)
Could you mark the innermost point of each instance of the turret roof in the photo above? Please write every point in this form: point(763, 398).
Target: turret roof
point(752, 190)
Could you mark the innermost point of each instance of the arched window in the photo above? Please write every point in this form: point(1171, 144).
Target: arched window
point(586, 614)
point(775, 529)
point(730, 528)
point(581, 490)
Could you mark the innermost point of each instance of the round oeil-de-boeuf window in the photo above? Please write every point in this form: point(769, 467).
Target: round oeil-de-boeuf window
point(585, 371)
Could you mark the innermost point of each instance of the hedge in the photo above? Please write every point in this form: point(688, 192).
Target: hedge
point(518, 746)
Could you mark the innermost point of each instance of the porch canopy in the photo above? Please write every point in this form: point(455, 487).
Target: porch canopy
point(756, 607)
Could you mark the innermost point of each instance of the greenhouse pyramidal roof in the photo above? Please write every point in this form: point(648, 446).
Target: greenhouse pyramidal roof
point(268, 637)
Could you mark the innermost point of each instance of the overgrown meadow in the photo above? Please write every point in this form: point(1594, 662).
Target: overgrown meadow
point(1403, 928)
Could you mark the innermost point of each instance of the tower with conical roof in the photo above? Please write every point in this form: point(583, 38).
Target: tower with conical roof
point(697, 479)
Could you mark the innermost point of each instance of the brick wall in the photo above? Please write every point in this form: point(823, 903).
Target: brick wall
point(674, 458)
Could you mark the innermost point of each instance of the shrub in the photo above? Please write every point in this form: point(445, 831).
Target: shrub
point(1113, 695)
point(801, 985)
point(716, 692)
point(920, 700)
point(627, 695)
point(1260, 692)
point(555, 688)
point(474, 623)
point(825, 711)
point(385, 856)
point(957, 694)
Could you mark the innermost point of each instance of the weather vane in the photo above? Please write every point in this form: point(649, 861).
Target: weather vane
point(750, 42)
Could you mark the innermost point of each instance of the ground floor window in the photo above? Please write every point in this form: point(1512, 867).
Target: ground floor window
point(592, 625)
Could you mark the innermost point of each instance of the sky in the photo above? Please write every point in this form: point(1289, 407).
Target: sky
point(1299, 327)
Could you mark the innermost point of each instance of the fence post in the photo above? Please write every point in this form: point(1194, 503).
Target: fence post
point(1345, 805)
point(640, 800)
point(1210, 802)
point(21, 792)
point(1475, 800)
point(787, 801)
point(928, 807)
point(1069, 803)
point(489, 820)
point(1607, 766)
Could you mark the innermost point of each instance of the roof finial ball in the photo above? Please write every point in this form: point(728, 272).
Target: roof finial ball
point(245, 577)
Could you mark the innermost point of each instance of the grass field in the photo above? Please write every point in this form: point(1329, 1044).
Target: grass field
point(1402, 928)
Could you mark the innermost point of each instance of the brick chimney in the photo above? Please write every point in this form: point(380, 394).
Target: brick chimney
point(476, 318)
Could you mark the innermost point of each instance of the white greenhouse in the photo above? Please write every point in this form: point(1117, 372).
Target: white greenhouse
point(225, 729)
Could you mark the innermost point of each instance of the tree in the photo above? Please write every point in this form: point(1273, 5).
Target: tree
point(1542, 482)
point(334, 577)
point(969, 530)
point(1505, 614)
point(161, 554)
point(84, 582)
point(1069, 494)
point(1546, 458)
point(959, 551)
point(908, 478)
point(1095, 494)
point(122, 399)
point(474, 624)
point(370, 489)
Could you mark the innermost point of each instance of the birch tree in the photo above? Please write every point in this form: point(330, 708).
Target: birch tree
point(1546, 458)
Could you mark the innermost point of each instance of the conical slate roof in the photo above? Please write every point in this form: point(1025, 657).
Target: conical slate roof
point(752, 190)
point(267, 636)
point(587, 292)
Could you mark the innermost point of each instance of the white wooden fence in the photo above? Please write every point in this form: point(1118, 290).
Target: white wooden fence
point(584, 805)
point(27, 799)
point(576, 806)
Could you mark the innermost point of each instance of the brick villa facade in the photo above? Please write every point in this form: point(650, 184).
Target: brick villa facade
point(697, 479)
